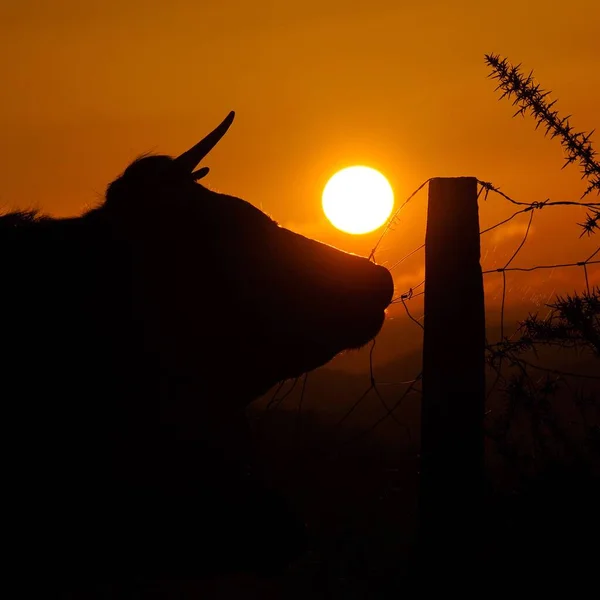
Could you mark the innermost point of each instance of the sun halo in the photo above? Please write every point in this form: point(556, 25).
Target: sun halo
point(358, 199)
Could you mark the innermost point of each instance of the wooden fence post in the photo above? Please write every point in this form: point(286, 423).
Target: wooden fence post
point(452, 413)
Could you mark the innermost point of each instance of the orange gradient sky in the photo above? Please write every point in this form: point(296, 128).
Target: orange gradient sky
point(317, 85)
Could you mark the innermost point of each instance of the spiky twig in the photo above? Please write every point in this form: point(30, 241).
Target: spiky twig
point(529, 96)
point(574, 321)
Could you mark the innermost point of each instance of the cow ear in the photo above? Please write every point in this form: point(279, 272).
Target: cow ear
point(200, 173)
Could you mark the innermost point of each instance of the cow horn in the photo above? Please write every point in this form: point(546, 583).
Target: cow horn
point(190, 158)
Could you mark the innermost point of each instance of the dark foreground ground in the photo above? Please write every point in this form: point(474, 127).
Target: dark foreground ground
point(359, 502)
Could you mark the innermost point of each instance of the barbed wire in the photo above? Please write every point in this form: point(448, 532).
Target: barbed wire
point(498, 354)
point(517, 383)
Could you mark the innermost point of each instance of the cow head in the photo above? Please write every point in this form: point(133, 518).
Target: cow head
point(228, 293)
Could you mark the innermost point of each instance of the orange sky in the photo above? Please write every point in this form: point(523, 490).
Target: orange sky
point(317, 85)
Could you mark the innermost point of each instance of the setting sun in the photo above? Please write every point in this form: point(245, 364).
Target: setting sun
point(358, 199)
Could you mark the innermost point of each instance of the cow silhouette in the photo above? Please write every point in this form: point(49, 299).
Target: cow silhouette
point(133, 338)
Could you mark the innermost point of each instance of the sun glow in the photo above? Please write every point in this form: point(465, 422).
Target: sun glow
point(358, 199)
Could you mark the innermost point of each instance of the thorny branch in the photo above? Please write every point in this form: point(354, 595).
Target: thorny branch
point(530, 97)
